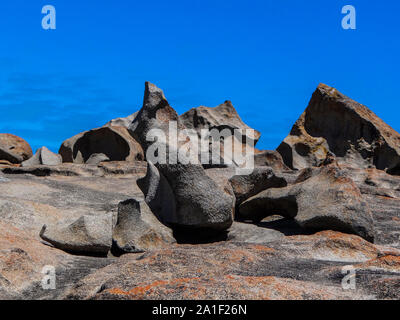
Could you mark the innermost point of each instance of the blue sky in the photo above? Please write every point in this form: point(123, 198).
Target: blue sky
point(267, 57)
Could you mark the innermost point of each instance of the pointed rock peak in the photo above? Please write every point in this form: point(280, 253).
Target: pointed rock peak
point(153, 96)
point(325, 89)
point(335, 123)
point(228, 104)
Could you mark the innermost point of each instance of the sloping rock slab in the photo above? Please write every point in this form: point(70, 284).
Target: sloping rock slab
point(138, 230)
point(89, 235)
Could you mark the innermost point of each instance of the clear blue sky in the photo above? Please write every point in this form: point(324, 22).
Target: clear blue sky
point(267, 57)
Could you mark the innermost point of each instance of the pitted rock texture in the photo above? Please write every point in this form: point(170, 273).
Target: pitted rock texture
point(334, 123)
point(221, 123)
point(223, 116)
point(14, 149)
point(114, 142)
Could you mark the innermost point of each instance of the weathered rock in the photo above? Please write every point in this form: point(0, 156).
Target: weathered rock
point(246, 186)
point(43, 157)
point(199, 203)
point(96, 158)
point(87, 235)
point(299, 267)
point(225, 121)
point(158, 194)
point(327, 201)
point(121, 122)
point(221, 117)
point(115, 142)
point(14, 149)
point(221, 177)
point(270, 158)
point(354, 134)
point(291, 267)
point(138, 230)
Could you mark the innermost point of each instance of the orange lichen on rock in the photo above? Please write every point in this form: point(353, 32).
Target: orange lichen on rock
point(389, 262)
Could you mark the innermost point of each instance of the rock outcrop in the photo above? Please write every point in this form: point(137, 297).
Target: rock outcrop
point(121, 122)
point(198, 202)
point(221, 117)
point(14, 149)
point(226, 122)
point(328, 200)
point(90, 235)
point(114, 142)
point(138, 230)
point(76, 218)
point(334, 123)
point(43, 157)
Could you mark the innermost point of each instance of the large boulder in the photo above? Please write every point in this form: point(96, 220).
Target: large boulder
point(43, 157)
point(334, 123)
point(114, 142)
point(121, 122)
point(89, 235)
point(225, 121)
point(138, 230)
point(326, 200)
point(194, 199)
point(14, 149)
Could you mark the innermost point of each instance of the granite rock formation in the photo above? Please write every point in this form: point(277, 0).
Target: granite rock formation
point(196, 200)
point(43, 157)
point(334, 123)
point(114, 142)
point(114, 229)
point(14, 149)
